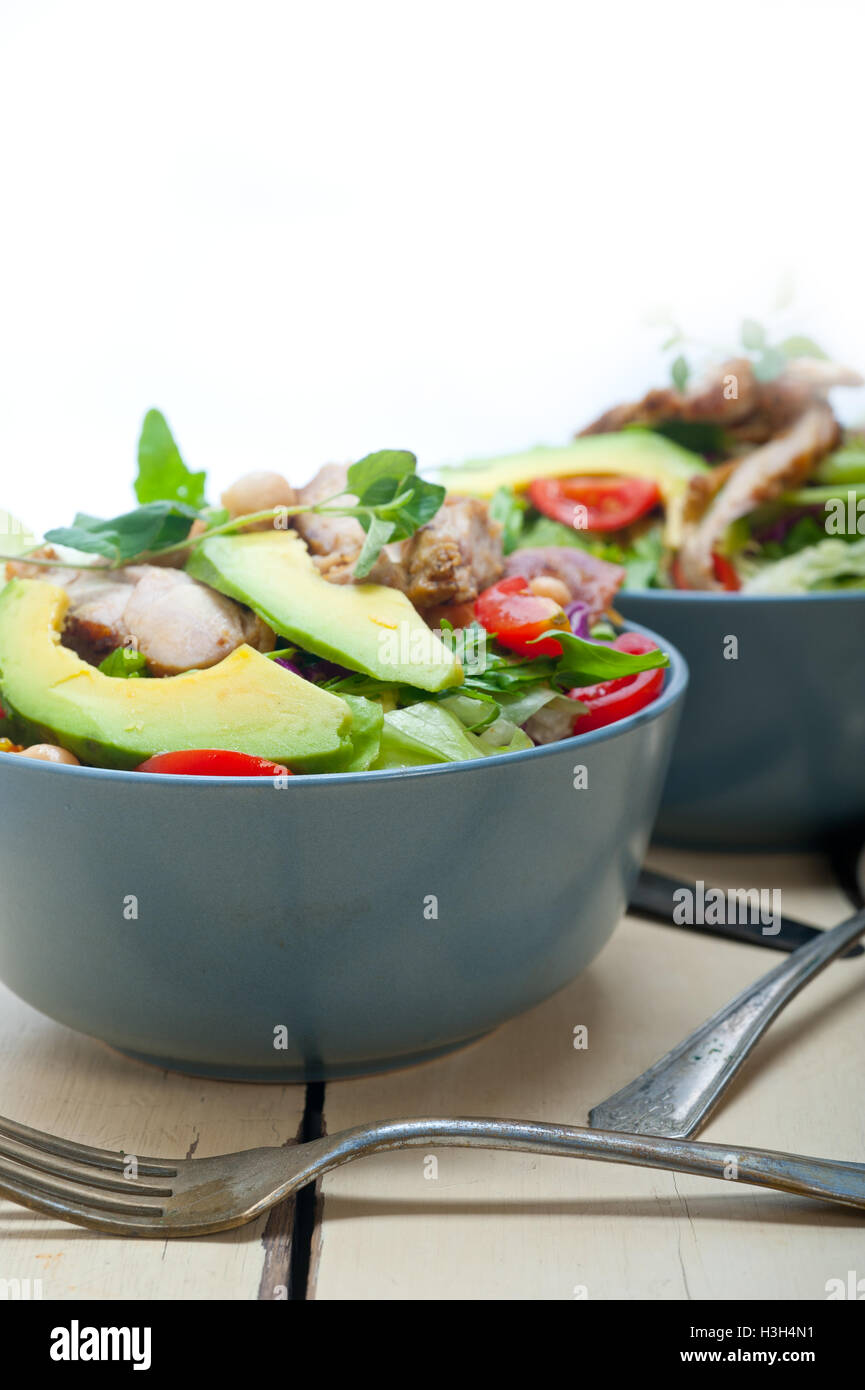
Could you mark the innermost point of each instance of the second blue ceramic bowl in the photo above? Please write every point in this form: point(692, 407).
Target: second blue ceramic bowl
point(771, 748)
point(336, 925)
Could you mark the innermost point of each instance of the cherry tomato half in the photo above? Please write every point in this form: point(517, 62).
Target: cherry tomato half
point(594, 504)
point(213, 762)
point(613, 700)
point(725, 573)
point(516, 616)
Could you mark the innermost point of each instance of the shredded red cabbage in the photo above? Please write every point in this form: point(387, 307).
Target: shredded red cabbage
point(578, 616)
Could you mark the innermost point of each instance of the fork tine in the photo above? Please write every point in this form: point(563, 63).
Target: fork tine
point(110, 1180)
point(66, 1191)
point(91, 1217)
point(81, 1153)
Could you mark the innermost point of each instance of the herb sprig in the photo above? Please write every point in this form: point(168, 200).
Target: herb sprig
point(769, 350)
point(383, 492)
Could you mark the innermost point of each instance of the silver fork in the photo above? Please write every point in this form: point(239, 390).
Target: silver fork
point(676, 1095)
point(189, 1197)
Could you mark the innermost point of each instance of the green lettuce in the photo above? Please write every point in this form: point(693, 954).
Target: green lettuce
point(832, 563)
point(427, 733)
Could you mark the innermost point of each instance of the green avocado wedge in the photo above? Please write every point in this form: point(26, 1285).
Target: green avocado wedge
point(366, 627)
point(245, 703)
point(632, 453)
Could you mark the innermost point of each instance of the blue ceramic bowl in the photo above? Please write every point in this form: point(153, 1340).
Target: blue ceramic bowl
point(337, 925)
point(771, 748)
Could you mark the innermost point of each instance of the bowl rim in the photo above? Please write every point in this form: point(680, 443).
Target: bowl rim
point(736, 596)
point(675, 685)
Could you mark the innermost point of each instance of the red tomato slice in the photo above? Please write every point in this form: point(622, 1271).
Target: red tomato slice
point(516, 616)
point(213, 762)
point(610, 701)
point(725, 573)
point(594, 504)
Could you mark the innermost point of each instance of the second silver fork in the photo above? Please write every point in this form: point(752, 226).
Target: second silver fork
point(678, 1093)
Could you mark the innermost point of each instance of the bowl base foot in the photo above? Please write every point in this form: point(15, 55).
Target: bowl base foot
point(299, 1074)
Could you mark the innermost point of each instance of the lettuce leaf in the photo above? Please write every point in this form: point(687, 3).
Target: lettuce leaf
point(829, 564)
point(427, 733)
point(366, 733)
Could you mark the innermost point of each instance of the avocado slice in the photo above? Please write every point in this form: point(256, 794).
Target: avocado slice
point(366, 627)
point(246, 703)
point(635, 453)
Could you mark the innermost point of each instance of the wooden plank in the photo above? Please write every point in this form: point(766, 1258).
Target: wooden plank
point(54, 1079)
point(509, 1226)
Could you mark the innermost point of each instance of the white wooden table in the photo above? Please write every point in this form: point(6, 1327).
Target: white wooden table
point(475, 1225)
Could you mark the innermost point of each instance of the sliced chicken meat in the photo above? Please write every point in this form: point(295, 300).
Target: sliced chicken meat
point(336, 541)
point(176, 622)
point(587, 578)
point(749, 411)
point(450, 560)
point(779, 466)
point(455, 556)
point(726, 397)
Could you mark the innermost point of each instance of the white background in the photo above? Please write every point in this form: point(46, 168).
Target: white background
point(308, 230)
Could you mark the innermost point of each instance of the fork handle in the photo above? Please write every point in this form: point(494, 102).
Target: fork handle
point(822, 1178)
point(676, 1095)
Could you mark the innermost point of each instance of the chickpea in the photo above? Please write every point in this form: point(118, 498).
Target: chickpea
point(546, 586)
point(258, 492)
point(50, 753)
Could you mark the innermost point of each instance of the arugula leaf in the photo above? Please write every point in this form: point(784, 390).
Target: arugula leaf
point(122, 538)
point(125, 662)
point(162, 474)
point(587, 663)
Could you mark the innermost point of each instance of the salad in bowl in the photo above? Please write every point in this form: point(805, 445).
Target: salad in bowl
point(445, 761)
point(735, 507)
point(744, 480)
point(364, 622)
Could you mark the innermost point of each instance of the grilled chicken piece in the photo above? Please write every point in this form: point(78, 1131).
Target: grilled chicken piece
point(727, 396)
point(595, 582)
point(336, 541)
point(176, 622)
point(455, 556)
point(450, 560)
point(781, 465)
point(748, 410)
point(337, 538)
point(788, 419)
